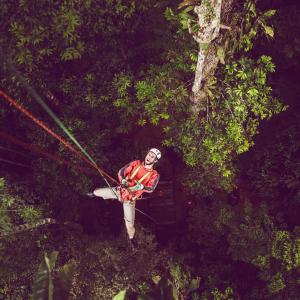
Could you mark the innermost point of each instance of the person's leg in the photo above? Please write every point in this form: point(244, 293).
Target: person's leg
point(129, 216)
point(107, 193)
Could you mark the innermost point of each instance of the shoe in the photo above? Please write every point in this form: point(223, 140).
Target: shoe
point(91, 195)
point(133, 244)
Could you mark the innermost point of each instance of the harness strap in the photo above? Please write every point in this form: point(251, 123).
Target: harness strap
point(135, 173)
point(145, 176)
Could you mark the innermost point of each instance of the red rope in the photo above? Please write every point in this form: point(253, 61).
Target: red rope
point(52, 133)
point(36, 149)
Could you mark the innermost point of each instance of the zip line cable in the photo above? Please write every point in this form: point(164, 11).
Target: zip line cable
point(38, 122)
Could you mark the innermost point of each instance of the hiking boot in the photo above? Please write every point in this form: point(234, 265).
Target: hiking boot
point(133, 244)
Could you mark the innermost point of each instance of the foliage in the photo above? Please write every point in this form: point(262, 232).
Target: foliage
point(152, 93)
point(179, 285)
point(265, 179)
point(109, 266)
point(14, 210)
point(43, 284)
point(254, 238)
point(44, 287)
point(234, 116)
point(234, 100)
point(286, 44)
point(6, 202)
point(18, 253)
point(119, 70)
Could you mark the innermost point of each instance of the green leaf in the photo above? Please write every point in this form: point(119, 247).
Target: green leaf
point(188, 9)
point(194, 285)
point(277, 283)
point(70, 53)
point(142, 122)
point(169, 14)
point(269, 31)
point(270, 13)
point(204, 46)
point(2, 183)
point(120, 296)
point(43, 285)
point(64, 280)
point(156, 279)
point(253, 92)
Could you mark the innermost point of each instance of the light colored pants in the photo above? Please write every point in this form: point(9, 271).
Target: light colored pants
point(128, 207)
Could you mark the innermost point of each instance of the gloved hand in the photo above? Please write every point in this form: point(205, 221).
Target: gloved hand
point(136, 187)
point(124, 182)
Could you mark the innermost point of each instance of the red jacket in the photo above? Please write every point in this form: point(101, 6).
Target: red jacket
point(136, 171)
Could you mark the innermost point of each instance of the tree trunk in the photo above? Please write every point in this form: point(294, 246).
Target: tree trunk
point(210, 14)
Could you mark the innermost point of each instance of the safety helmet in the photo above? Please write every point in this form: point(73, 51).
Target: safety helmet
point(156, 152)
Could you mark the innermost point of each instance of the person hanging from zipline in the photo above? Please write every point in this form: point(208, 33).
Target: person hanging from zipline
point(135, 178)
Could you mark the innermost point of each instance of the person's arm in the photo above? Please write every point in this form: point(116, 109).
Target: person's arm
point(152, 183)
point(149, 187)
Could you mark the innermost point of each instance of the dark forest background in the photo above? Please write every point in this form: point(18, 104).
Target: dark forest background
point(119, 76)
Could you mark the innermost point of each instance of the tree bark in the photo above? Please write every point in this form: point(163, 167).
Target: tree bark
point(210, 13)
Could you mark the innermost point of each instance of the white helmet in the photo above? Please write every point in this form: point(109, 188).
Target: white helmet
point(156, 152)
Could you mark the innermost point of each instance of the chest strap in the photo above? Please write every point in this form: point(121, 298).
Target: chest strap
point(136, 171)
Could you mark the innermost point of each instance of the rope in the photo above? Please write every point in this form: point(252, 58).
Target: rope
point(52, 133)
point(13, 151)
point(14, 163)
point(35, 96)
point(38, 150)
point(153, 220)
point(32, 92)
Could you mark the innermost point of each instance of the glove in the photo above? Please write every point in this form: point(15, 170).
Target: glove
point(136, 187)
point(124, 182)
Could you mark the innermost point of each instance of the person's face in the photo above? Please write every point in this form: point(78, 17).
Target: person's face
point(150, 158)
